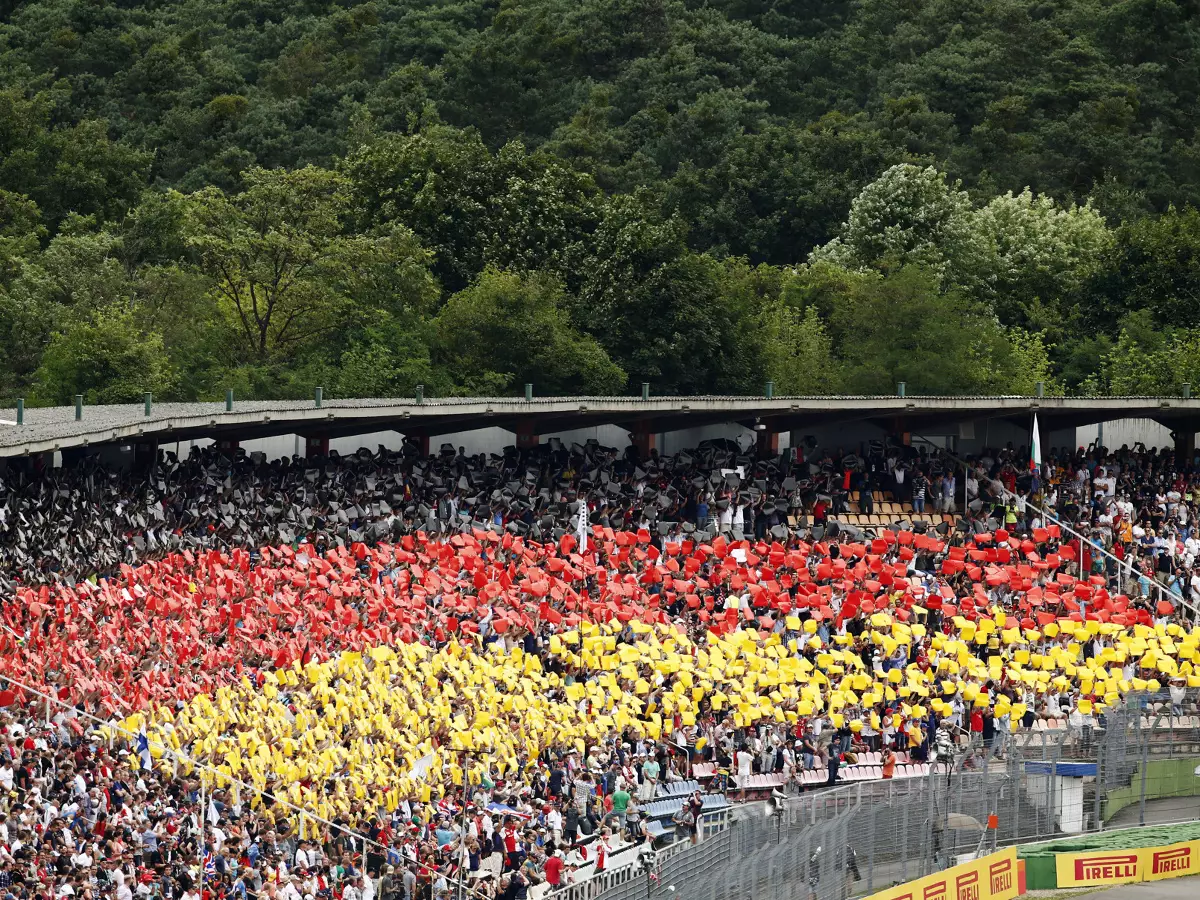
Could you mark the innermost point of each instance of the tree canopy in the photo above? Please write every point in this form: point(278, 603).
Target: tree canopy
point(701, 194)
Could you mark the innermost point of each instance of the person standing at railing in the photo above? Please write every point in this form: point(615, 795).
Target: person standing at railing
point(889, 763)
point(1178, 693)
point(633, 822)
point(685, 823)
point(1001, 729)
point(553, 869)
point(833, 763)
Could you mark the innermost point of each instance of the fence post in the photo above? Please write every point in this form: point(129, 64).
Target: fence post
point(1014, 780)
point(871, 850)
point(1171, 726)
point(20, 410)
point(904, 844)
point(1052, 806)
point(1145, 733)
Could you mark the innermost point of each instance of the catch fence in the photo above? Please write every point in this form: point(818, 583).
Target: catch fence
point(1137, 764)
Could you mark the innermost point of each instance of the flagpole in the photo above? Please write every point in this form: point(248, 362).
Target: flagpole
point(200, 842)
point(463, 859)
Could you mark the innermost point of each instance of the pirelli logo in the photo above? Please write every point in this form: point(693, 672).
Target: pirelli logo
point(935, 891)
point(966, 886)
point(1000, 876)
point(1114, 867)
point(1177, 859)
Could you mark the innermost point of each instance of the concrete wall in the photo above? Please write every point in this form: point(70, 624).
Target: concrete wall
point(1067, 792)
point(1115, 435)
point(968, 437)
point(1164, 778)
point(671, 442)
point(481, 440)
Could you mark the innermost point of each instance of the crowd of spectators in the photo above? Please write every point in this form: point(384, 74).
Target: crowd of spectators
point(66, 524)
point(80, 818)
point(77, 819)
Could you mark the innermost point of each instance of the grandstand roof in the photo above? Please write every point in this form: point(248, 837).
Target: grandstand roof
point(56, 428)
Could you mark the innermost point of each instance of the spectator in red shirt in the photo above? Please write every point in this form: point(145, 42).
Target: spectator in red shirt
point(553, 868)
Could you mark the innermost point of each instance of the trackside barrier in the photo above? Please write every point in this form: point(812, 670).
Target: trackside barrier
point(992, 877)
point(1056, 780)
point(624, 873)
point(1120, 856)
point(1101, 869)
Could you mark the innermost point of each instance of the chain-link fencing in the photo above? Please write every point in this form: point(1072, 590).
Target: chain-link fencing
point(1138, 764)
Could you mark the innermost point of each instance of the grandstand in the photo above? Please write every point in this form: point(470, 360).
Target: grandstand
point(536, 666)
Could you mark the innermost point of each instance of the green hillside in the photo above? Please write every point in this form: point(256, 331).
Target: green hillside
point(968, 196)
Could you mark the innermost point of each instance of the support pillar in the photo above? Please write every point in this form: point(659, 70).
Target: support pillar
point(527, 437)
point(145, 455)
point(767, 442)
point(422, 444)
point(316, 445)
point(1185, 444)
point(644, 440)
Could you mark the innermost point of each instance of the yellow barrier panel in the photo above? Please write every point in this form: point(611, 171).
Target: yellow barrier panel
point(1100, 868)
point(993, 877)
point(1173, 861)
point(1096, 867)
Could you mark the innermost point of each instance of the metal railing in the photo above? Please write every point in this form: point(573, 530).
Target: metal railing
point(1136, 764)
point(1126, 573)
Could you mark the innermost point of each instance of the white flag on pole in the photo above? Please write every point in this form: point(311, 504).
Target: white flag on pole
point(1035, 451)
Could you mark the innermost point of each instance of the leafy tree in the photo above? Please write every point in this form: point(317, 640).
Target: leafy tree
point(284, 271)
point(797, 352)
point(107, 359)
point(906, 329)
point(1023, 255)
point(1156, 268)
point(508, 329)
point(909, 216)
point(21, 231)
point(65, 169)
point(388, 362)
point(511, 210)
point(1043, 253)
point(902, 327)
point(685, 322)
point(1024, 363)
point(1148, 360)
point(77, 273)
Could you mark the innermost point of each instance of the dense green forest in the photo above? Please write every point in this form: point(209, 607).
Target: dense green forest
point(966, 195)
